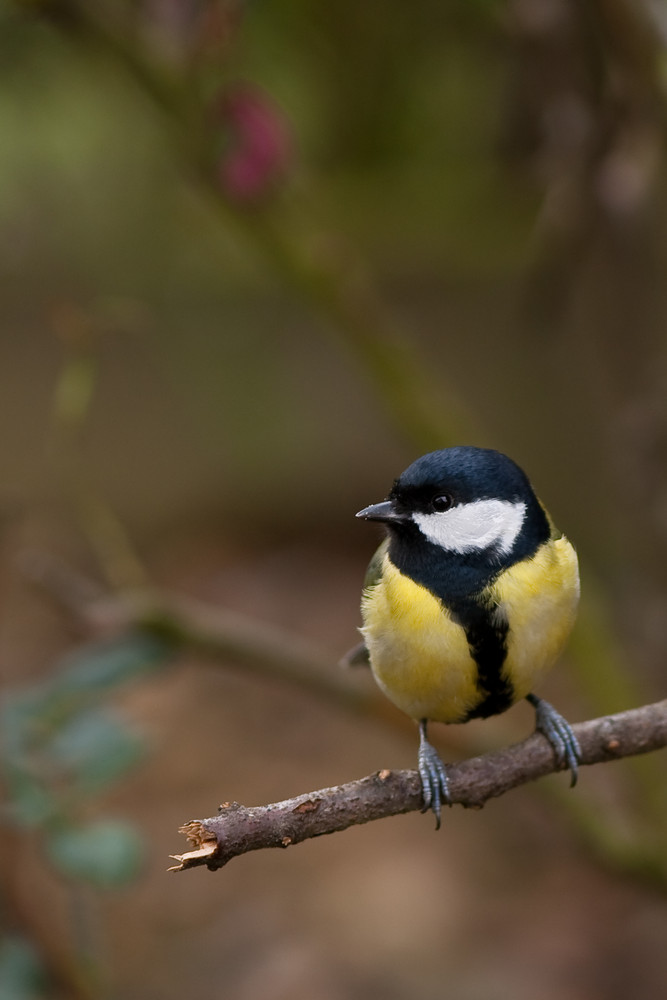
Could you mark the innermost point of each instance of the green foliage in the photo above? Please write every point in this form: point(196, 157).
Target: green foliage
point(97, 669)
point(21, 972)
point(62, 744)
point(96, 747)
point(107, 853)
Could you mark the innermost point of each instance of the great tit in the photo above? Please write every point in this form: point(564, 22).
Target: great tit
point(468, 600)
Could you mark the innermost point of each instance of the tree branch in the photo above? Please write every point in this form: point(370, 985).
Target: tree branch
point(238, 829)
point(217, 632)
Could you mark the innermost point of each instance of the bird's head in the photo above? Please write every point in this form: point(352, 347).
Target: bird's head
point(464, 500)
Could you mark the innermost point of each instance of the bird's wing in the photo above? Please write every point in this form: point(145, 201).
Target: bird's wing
point(358, 655)
point(554, 533)
point(374, 571)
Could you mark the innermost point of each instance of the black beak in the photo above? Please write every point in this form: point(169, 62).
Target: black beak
point(384, 511)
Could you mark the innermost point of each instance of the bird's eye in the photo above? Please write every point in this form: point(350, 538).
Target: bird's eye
point(441, 503)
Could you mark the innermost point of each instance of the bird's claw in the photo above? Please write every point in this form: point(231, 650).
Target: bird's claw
point(560, 735)
point(435, 783)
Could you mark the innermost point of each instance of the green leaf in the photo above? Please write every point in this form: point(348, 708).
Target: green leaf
point(106, 853)
point(30, 718)
point(21, 972)
point(22, 719)
point(30, 803)
point(96, 747)
point(101, 666)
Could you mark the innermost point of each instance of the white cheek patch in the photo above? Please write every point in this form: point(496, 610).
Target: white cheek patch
point(474, 526)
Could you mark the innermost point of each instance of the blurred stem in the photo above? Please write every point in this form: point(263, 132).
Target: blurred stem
point(326, 272)
point(335, 282)
point(71, 405)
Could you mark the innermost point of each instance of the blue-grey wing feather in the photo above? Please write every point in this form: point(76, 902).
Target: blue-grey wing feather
point(358, 655)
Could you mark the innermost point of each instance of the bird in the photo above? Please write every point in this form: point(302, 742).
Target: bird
point(469, 599)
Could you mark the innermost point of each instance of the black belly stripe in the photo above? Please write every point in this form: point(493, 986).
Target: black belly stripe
point(457, 581)
point(487, 639)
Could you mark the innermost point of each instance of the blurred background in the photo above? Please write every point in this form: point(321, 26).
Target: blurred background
point(255, 258)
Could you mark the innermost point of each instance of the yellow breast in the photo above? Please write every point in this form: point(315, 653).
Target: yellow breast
point(539, 599)
point(420, 655)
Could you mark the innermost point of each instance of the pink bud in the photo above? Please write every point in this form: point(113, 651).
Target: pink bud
point(259, 147)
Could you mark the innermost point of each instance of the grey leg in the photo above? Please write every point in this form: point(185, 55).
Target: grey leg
point(435, 784)
point(559, 733)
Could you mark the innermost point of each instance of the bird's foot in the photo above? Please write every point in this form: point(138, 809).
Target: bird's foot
point(435, 783)
point(559, 733)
